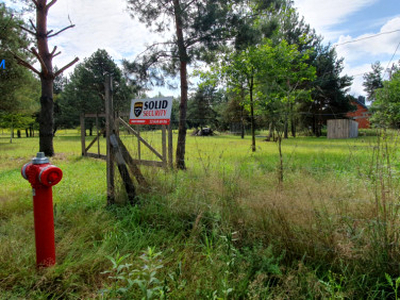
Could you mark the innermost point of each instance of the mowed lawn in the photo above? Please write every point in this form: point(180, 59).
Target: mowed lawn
point(226, 228)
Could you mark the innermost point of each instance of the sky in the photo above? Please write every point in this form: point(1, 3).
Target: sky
point(359, 29)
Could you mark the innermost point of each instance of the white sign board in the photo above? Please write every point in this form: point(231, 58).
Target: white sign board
point(154, 111)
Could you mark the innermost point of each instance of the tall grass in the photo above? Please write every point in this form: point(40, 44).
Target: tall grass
point(223, 229)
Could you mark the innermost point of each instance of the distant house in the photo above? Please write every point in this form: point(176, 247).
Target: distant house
point(362, 114)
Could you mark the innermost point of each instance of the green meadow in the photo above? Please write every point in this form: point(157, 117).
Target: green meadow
point(226, 228)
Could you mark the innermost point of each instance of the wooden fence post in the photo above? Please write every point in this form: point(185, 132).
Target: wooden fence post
point(98, 134)
point(109, 130)
point(83, 133)
point(139, 150)
point(164, 145)
point(123, 170)
point(170, 147)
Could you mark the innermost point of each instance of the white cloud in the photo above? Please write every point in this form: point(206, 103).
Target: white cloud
point(359, 51)
point(369, 48)
point(323, 15)
point(106, 24)
point(372, 44)
point(357, 73)
point(102, 24)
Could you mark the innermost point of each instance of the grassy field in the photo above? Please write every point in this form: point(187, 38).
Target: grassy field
point(226, 228)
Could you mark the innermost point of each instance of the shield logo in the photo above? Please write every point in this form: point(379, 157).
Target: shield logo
point(138, 108)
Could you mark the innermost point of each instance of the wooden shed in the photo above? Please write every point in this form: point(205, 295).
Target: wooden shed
point(342, 129)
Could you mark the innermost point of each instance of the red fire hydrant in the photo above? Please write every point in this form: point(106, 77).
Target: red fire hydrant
point(42, 176)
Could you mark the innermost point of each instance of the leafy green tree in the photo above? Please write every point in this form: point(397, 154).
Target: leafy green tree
point(202, 107)
point(47, 74)
point(84, 93)
point(17, 85)
point(258, 20)
point(233, 115)
point(199, 27)
point(386, 107)
point(239, 71)
point(329, 87)
point(373, 80)
point(265, 76)
point(330, 90)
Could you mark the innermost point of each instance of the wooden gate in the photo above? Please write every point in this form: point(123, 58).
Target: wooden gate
point(165, 156)
point(116, 151)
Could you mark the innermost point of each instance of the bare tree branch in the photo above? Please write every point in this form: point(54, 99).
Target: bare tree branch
point(48, 32)
point(50, 4)
point(58, 53)
point(66, 67)
point(68, 27)
point(187, 5)
point(35, 2)
point(153, 46)
point(54, 51)
point(28, 30)
point(33, 25)
point(24, 63)
point(42, 63)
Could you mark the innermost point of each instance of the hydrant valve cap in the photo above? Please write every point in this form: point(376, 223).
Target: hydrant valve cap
point(50, 175)
point(40, 159)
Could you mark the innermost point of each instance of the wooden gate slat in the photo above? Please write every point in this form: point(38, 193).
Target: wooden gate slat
point(127, 126)
point(95, 139)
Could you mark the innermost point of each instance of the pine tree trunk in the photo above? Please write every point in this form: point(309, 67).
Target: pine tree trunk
point(46, 119)
point(242, 127)
point(293, 127)
point(285, 129)
point(286, 126)
point(242, 114)
point(253, 125)
point(180, 149)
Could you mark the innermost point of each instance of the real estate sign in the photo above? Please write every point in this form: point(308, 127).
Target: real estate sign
point(153, 111)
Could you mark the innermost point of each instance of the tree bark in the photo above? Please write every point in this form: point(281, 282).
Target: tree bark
point(269, 131)
point(183, 57)
point(253, 129)
point(285, 128)
point(45, 57)
point(293, 127)
point(280, 177)
point(12, 130)
point(242, 127)
point(46, 118)
point(292, 121)
point(242, 115)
